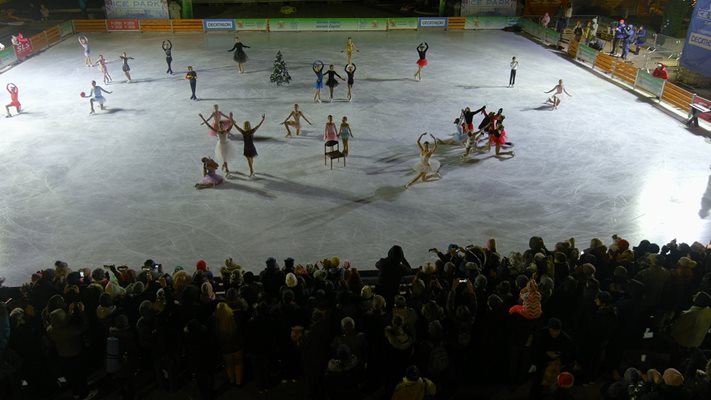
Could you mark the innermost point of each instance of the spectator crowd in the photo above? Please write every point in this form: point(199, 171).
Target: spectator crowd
point(632, 321)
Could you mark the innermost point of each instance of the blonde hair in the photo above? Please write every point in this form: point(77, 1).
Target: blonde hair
point(247, 126)
point(225, 319)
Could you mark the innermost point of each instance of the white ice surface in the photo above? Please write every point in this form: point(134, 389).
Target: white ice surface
point(117, 187)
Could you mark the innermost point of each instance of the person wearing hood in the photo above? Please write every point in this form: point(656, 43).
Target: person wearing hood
point(391, 270)
point(660, 72)
point(413, 386)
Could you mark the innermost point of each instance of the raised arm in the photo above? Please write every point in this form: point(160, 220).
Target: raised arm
point(259, 124)
point(419, 138)
point(240, 130)
point(434, 140)
point(427, 46)
point(203, 119)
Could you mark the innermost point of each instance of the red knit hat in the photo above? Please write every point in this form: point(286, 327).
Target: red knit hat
point(201, 265)
point(565, 380)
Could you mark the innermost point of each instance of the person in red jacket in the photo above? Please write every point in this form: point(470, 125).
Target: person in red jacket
point(660, 72)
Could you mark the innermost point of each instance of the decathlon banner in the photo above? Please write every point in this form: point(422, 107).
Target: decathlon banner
point(218, 24)
point(499, 8)
point(126, 9)
point(432, 23)
point(697, 49)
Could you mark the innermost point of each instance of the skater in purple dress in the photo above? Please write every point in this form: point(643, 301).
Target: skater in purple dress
point(210, 178)
point(248, 136)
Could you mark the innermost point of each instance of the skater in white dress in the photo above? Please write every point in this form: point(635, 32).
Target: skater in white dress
point(224, 151)
point(427, 168)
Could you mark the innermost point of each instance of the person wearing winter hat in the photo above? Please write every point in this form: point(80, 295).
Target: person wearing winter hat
point(291, 281)
point(531, 299)
point(414, 386)
point(552, 351)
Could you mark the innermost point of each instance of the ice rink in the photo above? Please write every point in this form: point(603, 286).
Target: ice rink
point(117, 186)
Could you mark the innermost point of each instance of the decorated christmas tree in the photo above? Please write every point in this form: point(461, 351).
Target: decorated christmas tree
point(280, 75)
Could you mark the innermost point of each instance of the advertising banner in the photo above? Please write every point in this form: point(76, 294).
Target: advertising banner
point(489, 22)
point(646, 81)
point(250, 24)
point(313, 24)
point(489, 7)
point(218, 25)
point(23, 48)
point(540, 7)
point(395, 24)
point(7, 56)
point(372, 24)
point(697, 48)
point(66, 28)
point(126, 9)
point(343, 24)
point(586, 53)
point(284, 25)
point(432, 23)
point(122, 25)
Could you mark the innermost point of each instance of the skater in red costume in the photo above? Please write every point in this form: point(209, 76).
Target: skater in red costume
point(14, 102)
point(422, 61)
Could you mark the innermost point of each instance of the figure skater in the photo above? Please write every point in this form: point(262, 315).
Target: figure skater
point(427, 168)
point(317, 66)
point(84, 42)
point(167, 47)
point(14, 102)
point(240, 57)
point(468, 116)
point(296, 116)
point(96, 95)
point(350, 46)
point(555, 99)
point(331, 81)
point(217, 116)
point(210, 178)
point(101, 63)
point(126, 69)
point(472, 141)
point(422, 61)
point(345, 133)
point(329, 131)
point(350, 71)
point(498, 138)
point(248, 136)
point(460, 136)
point(192, 77)
point(224, 152)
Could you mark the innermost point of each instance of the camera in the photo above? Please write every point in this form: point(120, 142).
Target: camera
point(81, 273)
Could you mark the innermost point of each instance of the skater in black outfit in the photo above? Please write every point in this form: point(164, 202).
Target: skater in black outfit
point(192, 77)
point(422, 61)
point(331, 81)
point(167, 48)
point(240, 57)
point(350, 71)
point(126, 68)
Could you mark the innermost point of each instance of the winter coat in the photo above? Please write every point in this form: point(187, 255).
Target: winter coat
point(414, 390)
point(689, 330)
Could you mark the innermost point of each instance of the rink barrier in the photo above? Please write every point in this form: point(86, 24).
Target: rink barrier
point(645, 81)
point(39, 42)
point(604, 62)
point(573, 48)
point(187, 25)
point(90, 25)
point(704, 102)
point(456, 23)
point(625, 72)
point(53, 35)
point(586, 54)
point(677, 97)
point(156, 25)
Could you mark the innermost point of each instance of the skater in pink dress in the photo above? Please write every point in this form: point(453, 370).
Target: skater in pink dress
point(216, 116)
point(330, 132)
point(210, 178)
point(101, 63)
